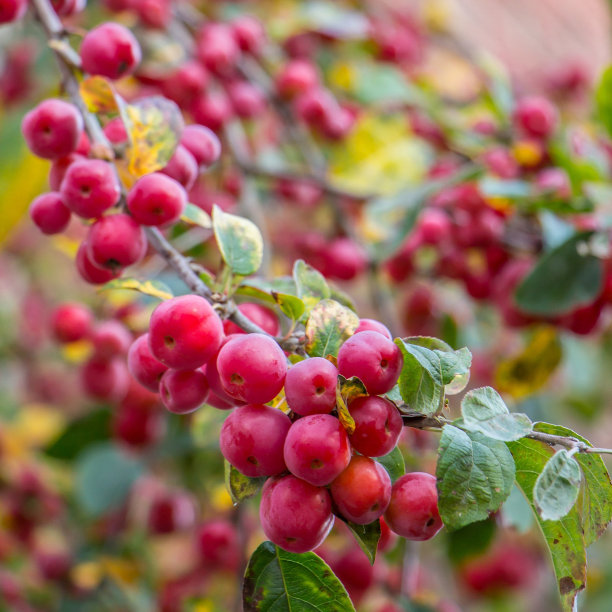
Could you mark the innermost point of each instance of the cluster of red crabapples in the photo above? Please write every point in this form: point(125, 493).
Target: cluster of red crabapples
point(315, 467)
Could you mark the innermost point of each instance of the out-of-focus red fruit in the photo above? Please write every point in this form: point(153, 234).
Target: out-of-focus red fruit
point(71, 322)
point(219, 545)
point(49, 213)
point(217, 48)
point(182, 167)
point(213, 110)
point(171, 512)
point(536, 117)
point(143, 365)
point(202, 143)
point(260, 315)
point(105, 379)
point(249, 34)
point(344, 259)
point(355, 572)
point(555, 182)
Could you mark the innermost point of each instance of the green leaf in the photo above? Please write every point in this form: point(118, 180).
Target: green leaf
point(104, 477)
point(517, 512)
point(352, 387)
point(565, 538)
point(556, 489)
point(81, 433)
point(280, 581)
point(470, 541)
point(454, 364)
point(394, 463)
point(196, 216)
point(328, 326)
point(595, 502)
point(484, 410)
point(154, 288)
point(475, 476)
point(310, 284)
point(513, 190)
point(239, 486)
point(367, 537)
point(290, 305)
point(562, 279)
point(603, 99)
point(239, 241)
point(382, 83)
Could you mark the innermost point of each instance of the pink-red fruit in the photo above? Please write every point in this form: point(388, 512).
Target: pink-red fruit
point(156, 199)
point(310, 386)
point(49, 213)
point(142, 364)
point(378, 425)
point(183, 391)
point(71, 322)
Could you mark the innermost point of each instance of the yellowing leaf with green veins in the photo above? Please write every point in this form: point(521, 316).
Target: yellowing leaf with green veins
point(531, 369)
point(99, 95)
point(153, 288)
point(239, 241)
point(239, 486)
point(328, 326)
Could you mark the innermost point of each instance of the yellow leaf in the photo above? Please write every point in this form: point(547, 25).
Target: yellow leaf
point(37, 424)
point(153, 288)
point(531, 369)
point(124, 571)
point(87, 575)
point(220, 498)
point(76, 352)
point(99, 95)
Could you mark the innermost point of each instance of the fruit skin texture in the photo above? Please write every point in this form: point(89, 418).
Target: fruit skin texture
point(183, 391)
point(156, 199)
point(90, 272)
point(142, 364)
point(202, 143)
point(260, 315)
point(184, 332)
point(363, 491)
point(413, 509)
point(310, 386)
point(378, 425)
point(110, 339)
point(373, 325)
point(252, 440)
point(49, 213)
point(294, 514)
point(12, 10)
point(110, 50)
point(90, 187)
point(52, 129)
point(105, 379)
point(317, 449)
point(182, 167)
point(71, 322)
point(252, 368)
point(376, 360)
point(115, 242)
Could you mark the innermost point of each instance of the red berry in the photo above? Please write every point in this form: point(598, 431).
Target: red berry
point(362, 492)
point(374, 359)
point(314, 105)
point(217, 48)
point(49, 213)
point(153, 13)
point(115, 131)
point(202, 143)
point(252, 368)
point(156, 199)
point(171, 512)
point(260, 315)
point(110, 50)
point(219, 545)
point(52, 129)
point(378, 425)
point(373, 325)
point(310, 386)
point(110, 339)
point(355, 572)
point(344, 259)
point(142, 364)
point(247, 100)
point(317, 449)
point(413, 510)
point(71, 322)
point(212, 110)
point(296, 77)
point(218, 397)
point(115, 242)
point(105, 379)
point(89, 272)
point(252, 439)
point(183, 391)
point(186, 83)
point(434, 226)
point(182, 167)
point(12, 10)
point(295, 515)
point(65, 8)
point(59, 168)
point(536, 117)
point(90, 187)
point(249, 34)
point(185, 332)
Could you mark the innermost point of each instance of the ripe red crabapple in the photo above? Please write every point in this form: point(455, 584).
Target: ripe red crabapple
point(247, 100)
point(378, 425)
point(183, 391)
point(344, 259)
point(115, 131)
point(71, 322)
point(156, 199)
point(105, 379)
point(536, 117)
point(374, 359)
point(115, 242)
point(218, 397)
point(182, 167)
point(153, 13)
point(252, 368)
point(310, 386)
point(143, 366)
point(413, 510)
point(202, 143)
point(217, 49)
point(110, 339)
point(58, 169)
point(90, 272)
point(294, 514)
point(52, 129)
point(317, 449)
point(249, 34)
point(373, 325)
point(212, 110)
point(171, 512)
point(355, 572)
point(90, 187)
point(12, 10)
point(218, 545)
point(296, 77)
point(252, 439)
point(110, 50)
point(49, 213)
point(362, 491)
point(260, 315)
point(186, 83)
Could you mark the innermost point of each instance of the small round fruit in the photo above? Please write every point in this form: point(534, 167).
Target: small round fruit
point(49, 213)
point(317, 449)
point(183, 391)
point(374, 359)
point(90, 272)
point(105, 379)
point(260, 315)
point(252, 440)
point(219, 545)
point(536, 117)
point(110, 50)
point(182, 167)
point(373, 325)
point(413, 510)
point(52, 129)
point(156, 199)
point(310, 386)
point(294, 514)
point(171, 512)
point(378, 425)
point(71, 322)
point(363, 491)
point(12, 10)
point(142, 364)
point(184, 332)
point(252, 368)
point(202, 143)
point(111, 339)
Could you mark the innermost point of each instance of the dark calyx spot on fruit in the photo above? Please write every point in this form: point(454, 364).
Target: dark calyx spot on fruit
point(157, 210)
point(113, 264)
point(374, 507)
point(252, 460)
point(387, 430)
point(316, 464)
point(236, 379)
point(430, 522)
point(169, 341)
point(123, 66)
point(384, 363)
point(85, 190)
point(290, 540)
point(320, 390)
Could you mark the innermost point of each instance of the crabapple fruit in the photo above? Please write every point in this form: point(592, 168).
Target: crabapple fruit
point(183, 391)
point(378, 425)
point(142, 364)
point(310, 386)
point(71, 322)
point(156, 199)
point(49, 213)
